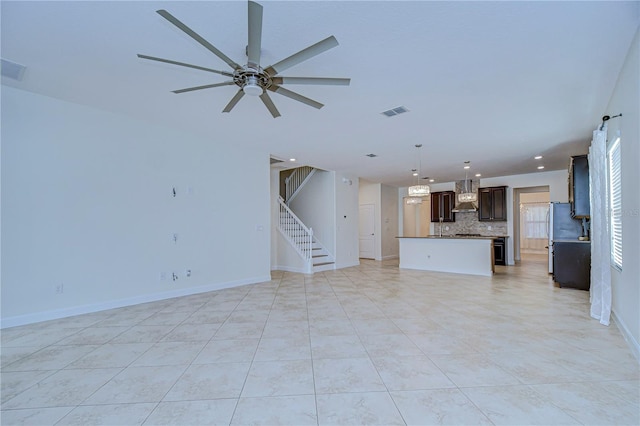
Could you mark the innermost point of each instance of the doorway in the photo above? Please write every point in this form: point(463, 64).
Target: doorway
point(416, 218)
point(367, 228)
point(530, 218)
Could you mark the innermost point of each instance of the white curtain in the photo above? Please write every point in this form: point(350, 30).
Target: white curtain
point(600, 293)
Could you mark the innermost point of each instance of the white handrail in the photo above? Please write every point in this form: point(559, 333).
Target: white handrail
point(295, 231)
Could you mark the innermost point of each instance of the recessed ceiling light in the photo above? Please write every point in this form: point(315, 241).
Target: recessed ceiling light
point(467, 167)
point(414, 172)
point(478, 175)
point(537, 157)
point(432, 180)
point(540, 167)
point(292, 159)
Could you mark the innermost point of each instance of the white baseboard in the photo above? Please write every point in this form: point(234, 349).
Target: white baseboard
point(290, 269)
point(120, 303)
point(633, 343)
point(347, 265)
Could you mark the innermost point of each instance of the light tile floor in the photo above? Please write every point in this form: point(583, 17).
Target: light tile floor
point(365, 345)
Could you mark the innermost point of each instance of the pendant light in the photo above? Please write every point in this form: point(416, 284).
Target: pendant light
point(467, 199)
point(467, 196)
point(418, 190)
point(413, 200)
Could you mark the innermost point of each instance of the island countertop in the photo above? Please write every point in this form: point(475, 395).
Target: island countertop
point(450, 253)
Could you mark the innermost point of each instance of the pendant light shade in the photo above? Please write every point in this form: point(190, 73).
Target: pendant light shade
point(468, 197)
point(419, 190)
point(414, 200)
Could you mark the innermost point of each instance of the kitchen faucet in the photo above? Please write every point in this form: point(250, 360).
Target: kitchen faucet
point(441, 219)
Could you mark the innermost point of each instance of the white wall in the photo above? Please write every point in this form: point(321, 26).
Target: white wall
point(314, 205)
point(389, 225)
point(275, 212)
point(625, 283)
point(87, 203)
point(346, 214)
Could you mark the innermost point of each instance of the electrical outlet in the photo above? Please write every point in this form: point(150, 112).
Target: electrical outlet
point(174, 237)
point(59, 288)
point(174, 276)
point(187, 273)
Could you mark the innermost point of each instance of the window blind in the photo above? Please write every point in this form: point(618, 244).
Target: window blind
point(615, 203)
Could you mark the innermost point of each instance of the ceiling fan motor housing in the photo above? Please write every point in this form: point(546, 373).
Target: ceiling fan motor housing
point(252, 82)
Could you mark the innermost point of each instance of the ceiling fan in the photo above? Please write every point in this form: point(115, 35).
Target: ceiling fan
point(251, 78)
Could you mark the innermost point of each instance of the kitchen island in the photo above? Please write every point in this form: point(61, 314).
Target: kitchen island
point(455, 254)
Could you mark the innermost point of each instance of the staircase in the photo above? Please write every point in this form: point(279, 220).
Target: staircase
point(296, 180)
point(315, 256)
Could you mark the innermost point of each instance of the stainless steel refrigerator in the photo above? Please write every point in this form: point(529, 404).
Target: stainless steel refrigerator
point(561, 226)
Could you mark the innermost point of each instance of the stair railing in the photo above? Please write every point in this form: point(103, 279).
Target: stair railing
point(295, 181)
point(295, 231)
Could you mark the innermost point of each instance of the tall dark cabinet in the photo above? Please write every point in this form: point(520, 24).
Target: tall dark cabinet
point(579, 187)
point(442, 204)
point(492, 204)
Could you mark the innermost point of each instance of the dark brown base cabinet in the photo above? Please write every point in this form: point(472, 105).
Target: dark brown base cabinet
point(442, 204)
point(572, 264)
point(499, 251)
point(492, 204)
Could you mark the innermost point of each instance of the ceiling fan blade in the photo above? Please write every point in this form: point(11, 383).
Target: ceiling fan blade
point(175, 21)
point(239, 94)
point(312, 80)
point(182, 64)
point(207, 86)
point(266, 99)
point(255, 34)
point(295, 96)
point(303, 55)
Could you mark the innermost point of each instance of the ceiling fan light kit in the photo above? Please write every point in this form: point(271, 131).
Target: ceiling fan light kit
point(252, 88)
point(251, 78)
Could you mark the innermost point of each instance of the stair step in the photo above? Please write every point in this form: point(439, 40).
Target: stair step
point(323, 263)
point(319, 255)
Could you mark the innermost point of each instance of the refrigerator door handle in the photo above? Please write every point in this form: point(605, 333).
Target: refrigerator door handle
point(548, 220)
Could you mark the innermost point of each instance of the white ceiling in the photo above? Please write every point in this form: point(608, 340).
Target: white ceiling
point(495, 83)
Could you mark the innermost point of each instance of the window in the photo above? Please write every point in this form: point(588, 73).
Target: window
point(615, 202)
point(534, 218)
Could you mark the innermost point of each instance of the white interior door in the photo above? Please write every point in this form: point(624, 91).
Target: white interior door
point(367, 231)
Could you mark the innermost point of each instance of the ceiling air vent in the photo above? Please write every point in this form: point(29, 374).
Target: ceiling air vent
point(371, 155)
point(395, 111)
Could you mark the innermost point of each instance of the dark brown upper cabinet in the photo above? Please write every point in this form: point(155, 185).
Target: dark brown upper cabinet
point(442, 204)
point(492, 204)
point(579, 187)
